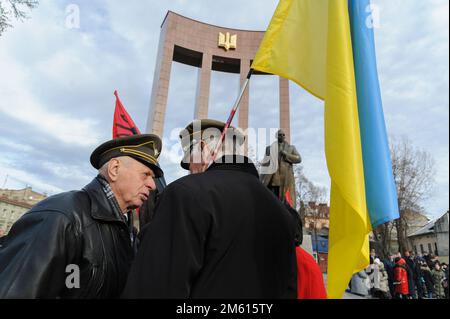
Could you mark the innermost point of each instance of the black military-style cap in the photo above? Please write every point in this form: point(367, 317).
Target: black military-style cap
point(194, 132)
point(144, 148)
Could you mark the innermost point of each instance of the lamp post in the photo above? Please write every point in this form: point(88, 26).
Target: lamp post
point(315, 213)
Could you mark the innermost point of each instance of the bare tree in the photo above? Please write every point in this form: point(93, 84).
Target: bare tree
point(414, 172)
point(383, 236)
point(17, 9)
point(307, 191)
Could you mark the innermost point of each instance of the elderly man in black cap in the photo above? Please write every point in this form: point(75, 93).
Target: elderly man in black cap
point(80, 244)
point(218, 233)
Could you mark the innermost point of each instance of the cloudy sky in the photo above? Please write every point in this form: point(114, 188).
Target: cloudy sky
point(57, 80)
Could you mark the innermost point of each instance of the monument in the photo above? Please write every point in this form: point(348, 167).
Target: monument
point(211, 48)
point(281, 155)
point(208, 48)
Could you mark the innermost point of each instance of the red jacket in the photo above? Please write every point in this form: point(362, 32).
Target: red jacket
point(310, 283)
point(401, 277)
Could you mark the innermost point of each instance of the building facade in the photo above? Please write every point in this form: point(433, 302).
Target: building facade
point(315, 217)
point(424, 241)
point(316, 223)
point(442, 239)
point(15, 203)
point(415, 221)
point(25, 195)
point(432, 238)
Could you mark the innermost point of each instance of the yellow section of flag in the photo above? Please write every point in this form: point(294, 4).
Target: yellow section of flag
point(309, 42)
point(291, 50)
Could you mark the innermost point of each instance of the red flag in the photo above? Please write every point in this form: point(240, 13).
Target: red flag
point(288, 197)
point(123, 125)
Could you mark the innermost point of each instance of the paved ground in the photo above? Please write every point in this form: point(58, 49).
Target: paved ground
point(347, 295)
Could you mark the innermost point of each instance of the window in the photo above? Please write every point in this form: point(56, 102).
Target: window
point(436, 250)
point(430, 250)
point(422, 251)
point(415, 249)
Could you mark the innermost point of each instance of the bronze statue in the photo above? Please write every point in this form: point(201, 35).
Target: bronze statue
point(276, 168)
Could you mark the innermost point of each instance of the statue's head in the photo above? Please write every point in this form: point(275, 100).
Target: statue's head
point(281, 136)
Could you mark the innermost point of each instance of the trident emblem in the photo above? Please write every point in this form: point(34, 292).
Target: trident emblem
point(226, 41)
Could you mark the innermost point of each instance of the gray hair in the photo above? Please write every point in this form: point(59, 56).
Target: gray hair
point(103, 171)
point(233, 143)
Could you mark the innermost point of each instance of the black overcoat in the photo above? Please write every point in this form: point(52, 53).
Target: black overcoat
point(219, 234)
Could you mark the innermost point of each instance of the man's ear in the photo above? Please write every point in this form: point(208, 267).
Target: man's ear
point(113, 169)
point(204, 146)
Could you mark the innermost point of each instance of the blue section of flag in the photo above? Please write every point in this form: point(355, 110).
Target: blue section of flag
point(381, 194)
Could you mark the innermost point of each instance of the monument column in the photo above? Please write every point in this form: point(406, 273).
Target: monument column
point(161, 79)
point(284, 108)
point(243, 107)
point(203, 86)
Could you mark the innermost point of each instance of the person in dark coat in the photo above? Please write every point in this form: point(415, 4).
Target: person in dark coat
point(427, 279)
point(419, 280)
point(218, 233)
point(445, 283)
point(412, 274)
point(389, 266)
point(80, 244)
point(147, 210)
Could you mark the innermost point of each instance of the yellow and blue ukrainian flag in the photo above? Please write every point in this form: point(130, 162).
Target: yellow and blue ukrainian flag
point(380, 187)
point(327, 47)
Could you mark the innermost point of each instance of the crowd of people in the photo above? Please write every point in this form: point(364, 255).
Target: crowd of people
point(407, 276)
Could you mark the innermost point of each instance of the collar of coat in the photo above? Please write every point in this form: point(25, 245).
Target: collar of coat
point(100, 207)
point(235, 163)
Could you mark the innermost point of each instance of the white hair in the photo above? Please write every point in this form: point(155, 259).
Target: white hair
point(233, 143)
point(103, 171)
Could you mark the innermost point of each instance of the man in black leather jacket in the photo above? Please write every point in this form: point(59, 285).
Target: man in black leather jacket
point(80, 244)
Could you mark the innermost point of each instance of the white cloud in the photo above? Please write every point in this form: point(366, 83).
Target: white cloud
point(17, 178)
point(23, 106)
point(15, 146)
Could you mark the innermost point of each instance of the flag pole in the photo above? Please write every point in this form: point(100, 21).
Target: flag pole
point(230, 118)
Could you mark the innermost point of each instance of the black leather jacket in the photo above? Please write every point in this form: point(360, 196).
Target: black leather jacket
point(73, 228)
